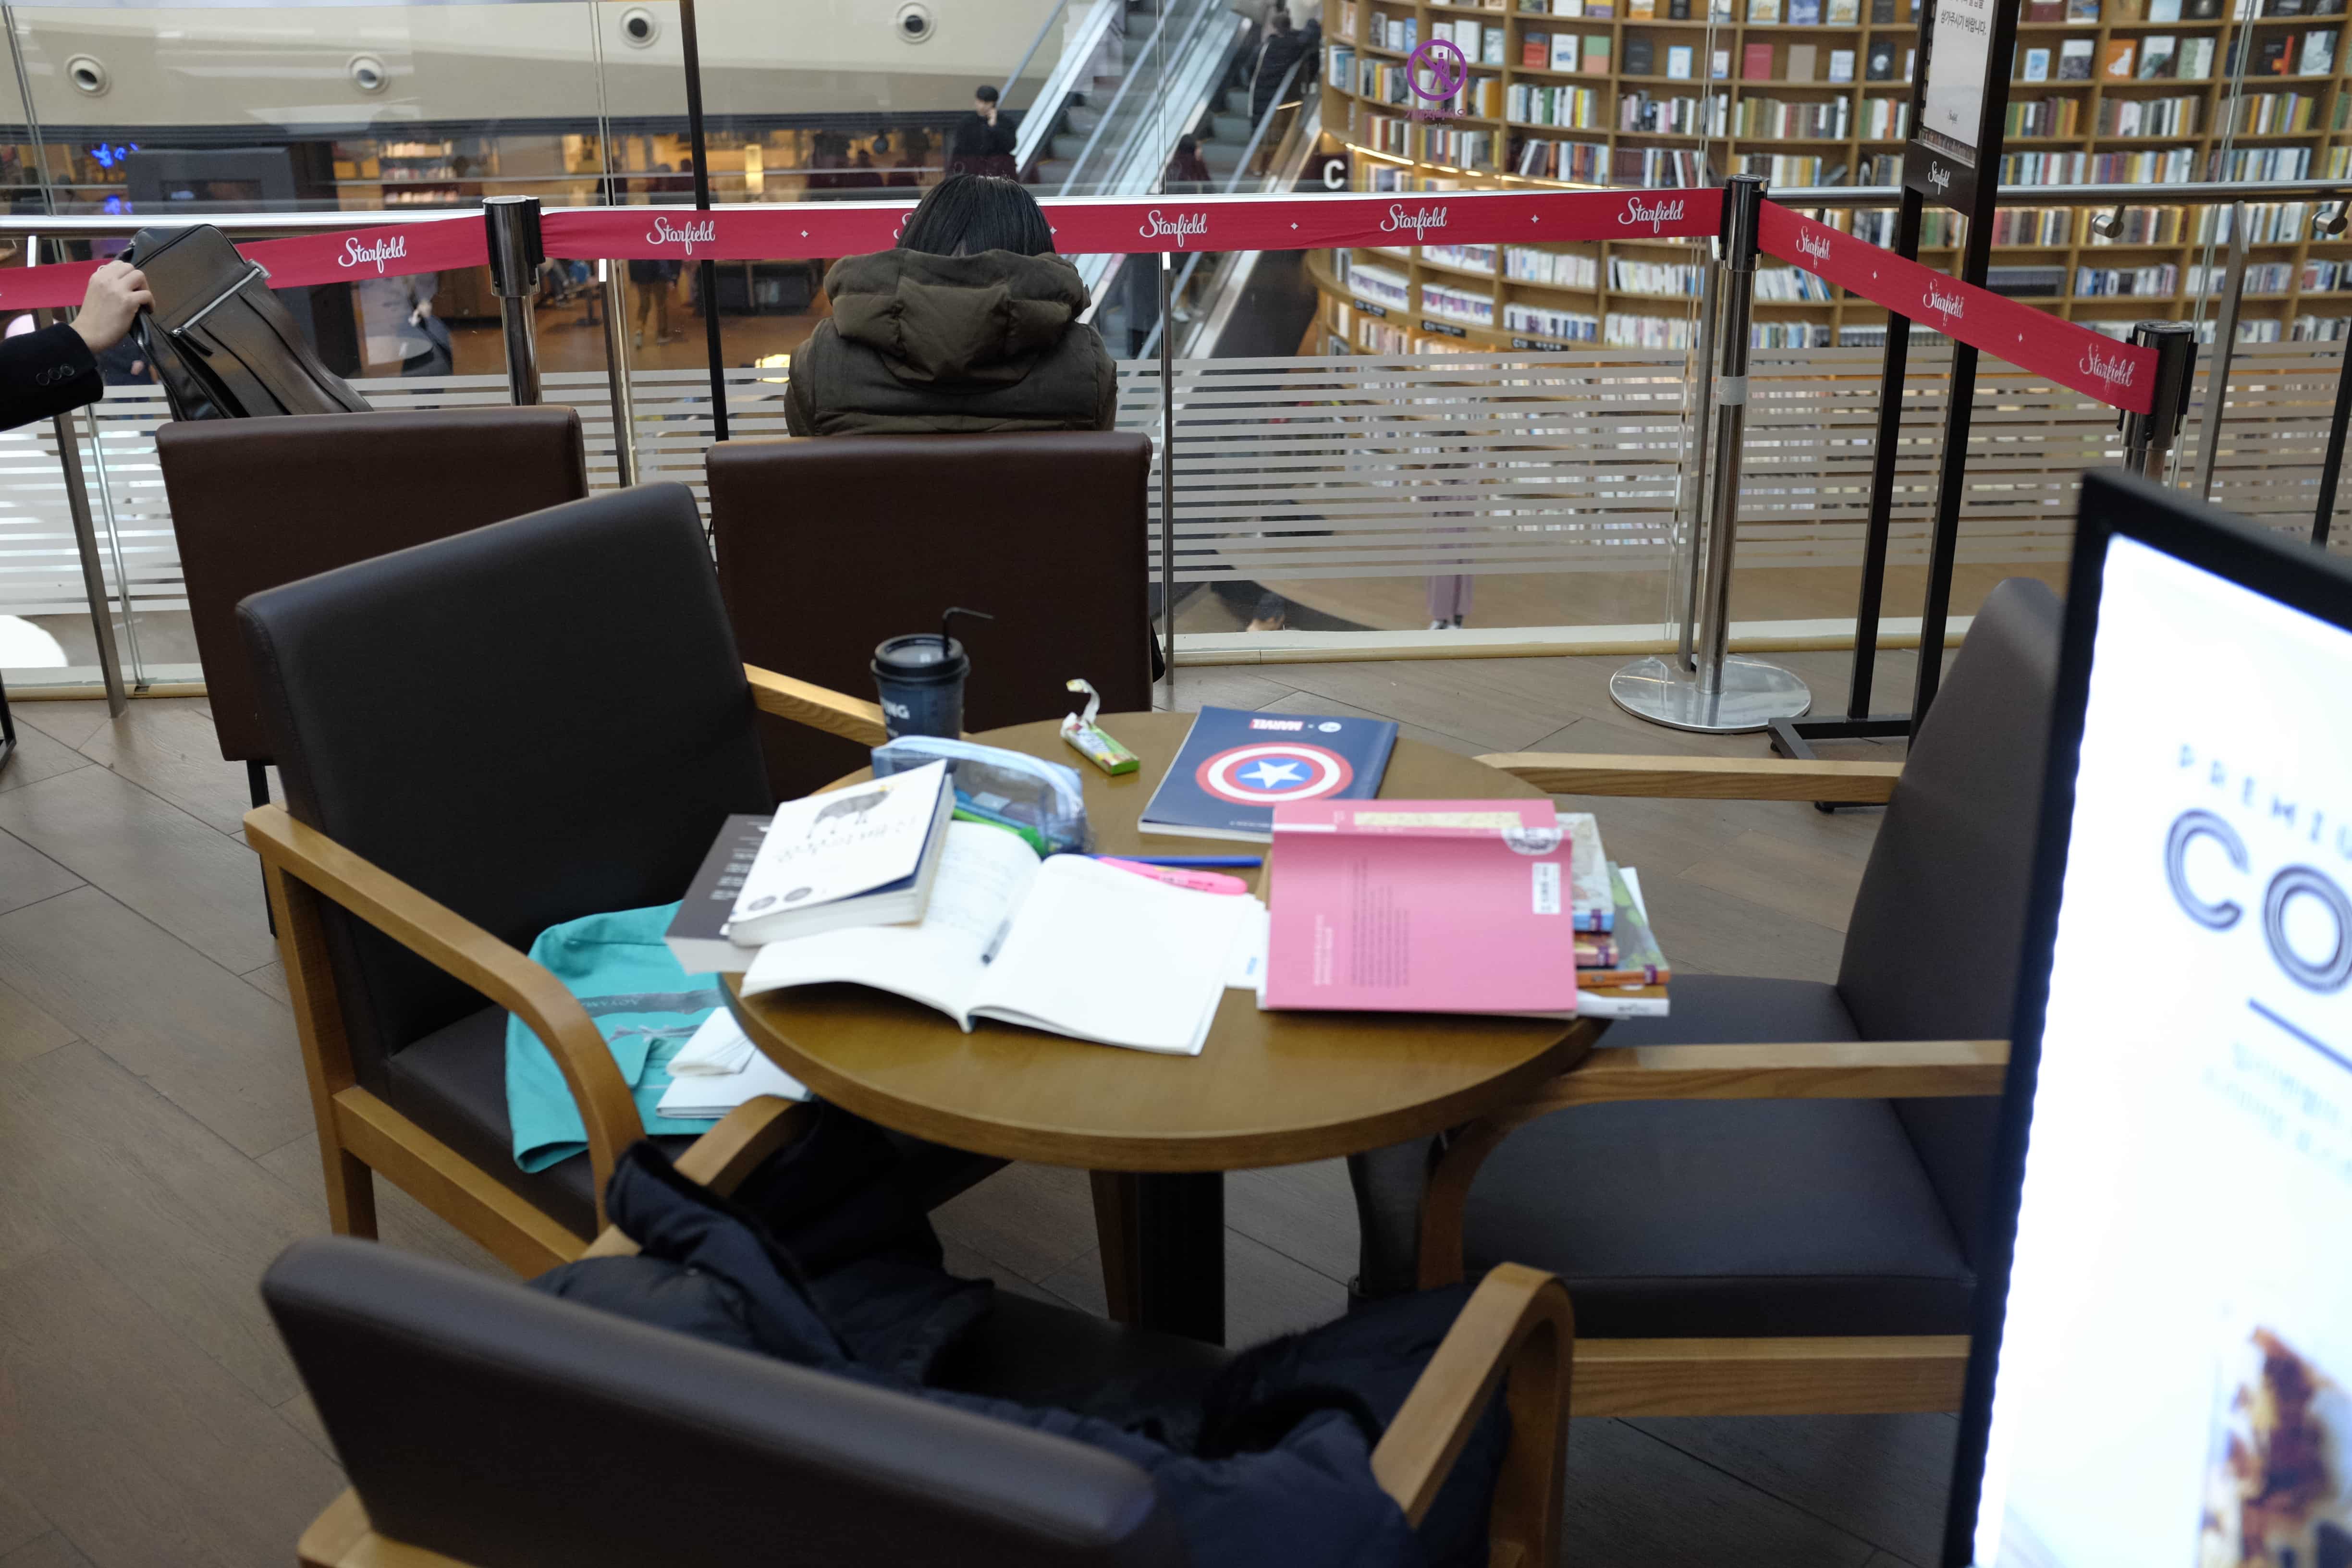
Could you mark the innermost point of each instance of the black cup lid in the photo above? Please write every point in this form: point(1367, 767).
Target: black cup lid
point(919, 650)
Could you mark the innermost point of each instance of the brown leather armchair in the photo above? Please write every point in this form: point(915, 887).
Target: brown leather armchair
point(481, 737)
point(1771, 1202)
point(256, 503)
point(484, 1426)
point(827, 545)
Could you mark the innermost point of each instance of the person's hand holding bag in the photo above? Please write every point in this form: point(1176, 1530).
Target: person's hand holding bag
point(50, 372)
point(116, 293)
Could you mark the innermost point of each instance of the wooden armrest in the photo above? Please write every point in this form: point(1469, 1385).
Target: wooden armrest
point(341, 1537)
point(1702, 778)
point(459, 948)
point(818, 706)
point(1519, 1322)
point(723, 1157)
point(1835, 1069)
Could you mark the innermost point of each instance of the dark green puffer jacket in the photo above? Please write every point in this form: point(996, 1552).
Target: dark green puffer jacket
point(922, 342)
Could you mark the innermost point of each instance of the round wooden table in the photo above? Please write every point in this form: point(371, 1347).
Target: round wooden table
point(1269, 1088)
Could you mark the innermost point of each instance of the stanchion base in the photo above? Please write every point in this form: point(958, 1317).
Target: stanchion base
point(1793, 739)
point(1753, 694)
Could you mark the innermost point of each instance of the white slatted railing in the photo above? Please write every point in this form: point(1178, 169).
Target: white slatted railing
point(1359, 466)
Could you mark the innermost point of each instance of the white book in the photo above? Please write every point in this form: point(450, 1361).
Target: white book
point(1069, 945)
point(875, 844)
point(1678, 62)
point(1564, 50)
point(1840, 65)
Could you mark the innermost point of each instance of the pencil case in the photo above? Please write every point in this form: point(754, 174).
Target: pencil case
point(1044, 802)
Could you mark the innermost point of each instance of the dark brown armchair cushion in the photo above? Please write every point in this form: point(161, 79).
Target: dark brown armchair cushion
point(258, 502)
point(829, 545)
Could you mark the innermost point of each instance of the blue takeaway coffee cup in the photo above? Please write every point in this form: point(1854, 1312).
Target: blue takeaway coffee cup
point(919, 680)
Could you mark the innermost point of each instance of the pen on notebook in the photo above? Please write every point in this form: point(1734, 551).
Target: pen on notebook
point(1003, 930)
point(1197, 860)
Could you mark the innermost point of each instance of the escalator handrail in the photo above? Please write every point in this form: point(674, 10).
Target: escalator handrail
point(1038, 121)
point(1233, 185)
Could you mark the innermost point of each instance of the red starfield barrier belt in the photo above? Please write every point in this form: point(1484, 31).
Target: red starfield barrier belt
point(2120, 375)
point(827, 229)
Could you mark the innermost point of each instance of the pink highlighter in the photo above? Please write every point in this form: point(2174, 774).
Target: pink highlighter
point(1180, 877)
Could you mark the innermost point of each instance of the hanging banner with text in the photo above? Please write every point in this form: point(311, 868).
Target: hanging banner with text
point(1152, 224)
point(340, 257)
point(828, 229)
point(2119, 374)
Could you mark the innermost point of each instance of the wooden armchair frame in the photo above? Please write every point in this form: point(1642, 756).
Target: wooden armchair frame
point(1787, 1376)
point(1516, 1324)
point(360, 1135)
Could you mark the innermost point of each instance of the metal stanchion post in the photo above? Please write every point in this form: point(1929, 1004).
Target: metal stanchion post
point(617, 375)
point(516, 253)
point(1167, 470)
point(1709, 303)
point(2330, 224)
point(1723, 695)
point(2148, 436)
point(84, 531)
point(2323, 519)
point(2225, 343)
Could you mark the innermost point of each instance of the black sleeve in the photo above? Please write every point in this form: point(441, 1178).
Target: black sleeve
point(46, 372)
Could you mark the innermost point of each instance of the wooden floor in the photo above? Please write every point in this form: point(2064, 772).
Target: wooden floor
point(156, 1150)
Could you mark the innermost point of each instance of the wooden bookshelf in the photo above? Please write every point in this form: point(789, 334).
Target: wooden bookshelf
point(1349, 117)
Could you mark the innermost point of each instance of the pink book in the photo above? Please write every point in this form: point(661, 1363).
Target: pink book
point(1421, 906)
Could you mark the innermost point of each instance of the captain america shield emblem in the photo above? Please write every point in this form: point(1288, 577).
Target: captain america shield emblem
point(1270, 773)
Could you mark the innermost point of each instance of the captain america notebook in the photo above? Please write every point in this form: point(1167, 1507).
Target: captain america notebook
point(1236, 766)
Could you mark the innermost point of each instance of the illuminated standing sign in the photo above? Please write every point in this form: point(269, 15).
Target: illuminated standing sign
point(2174, 1382)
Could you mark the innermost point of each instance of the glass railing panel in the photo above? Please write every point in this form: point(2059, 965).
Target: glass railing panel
point(143, 113)
point(284, 109)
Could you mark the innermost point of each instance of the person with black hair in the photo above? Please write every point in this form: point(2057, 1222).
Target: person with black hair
point(914, 152)
point(982, 143)
point(1188, 170)
point(971, 324)
point(1284, 48)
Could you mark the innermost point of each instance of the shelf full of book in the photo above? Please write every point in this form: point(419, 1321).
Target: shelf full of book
point(1650, 94)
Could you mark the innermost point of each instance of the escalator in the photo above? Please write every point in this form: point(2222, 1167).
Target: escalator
point(1251, 303)
point(1132, 78)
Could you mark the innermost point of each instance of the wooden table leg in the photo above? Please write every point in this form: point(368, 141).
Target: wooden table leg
point(1163, 1250)
point(1179, 1254)
point(1115, 1235)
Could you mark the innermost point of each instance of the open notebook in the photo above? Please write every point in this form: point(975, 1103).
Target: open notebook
point(1078, 948)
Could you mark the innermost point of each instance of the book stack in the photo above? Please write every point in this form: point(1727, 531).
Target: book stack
point(1456, 906)
point(861, 856)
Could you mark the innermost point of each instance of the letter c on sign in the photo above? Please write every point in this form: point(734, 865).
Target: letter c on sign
point(1335, 174)
point(2297, 881)
point(2191, 825)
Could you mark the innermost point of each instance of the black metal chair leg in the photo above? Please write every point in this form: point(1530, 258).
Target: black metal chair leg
point(256, 782)
point(7, 727)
